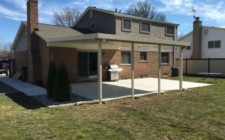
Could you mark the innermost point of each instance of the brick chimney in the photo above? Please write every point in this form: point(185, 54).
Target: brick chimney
point(32, 15)
point(33, 52)
point(197, 38)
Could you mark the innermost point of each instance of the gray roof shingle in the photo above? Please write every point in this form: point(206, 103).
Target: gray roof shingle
point(47, 31)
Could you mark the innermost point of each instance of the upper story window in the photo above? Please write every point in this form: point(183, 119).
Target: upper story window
point(214, 44)
point(145, 27)
point(125, 57)
point(170, 30)
point(126, 25)
point(143, 56)
point(165, 58)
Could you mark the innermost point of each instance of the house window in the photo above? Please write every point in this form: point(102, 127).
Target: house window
point(143, 56)
point(93, 25)
point(217, 44)
point(165, 58)
point(170, 30)
point(125, 57)
point(144, 27)
point(214, 44)
point(211, 44)
point(188, 47)
point(126, 25)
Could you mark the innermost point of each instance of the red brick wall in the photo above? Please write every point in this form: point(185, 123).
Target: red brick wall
point(68, 56)
point(141, 69)
point(109, 57)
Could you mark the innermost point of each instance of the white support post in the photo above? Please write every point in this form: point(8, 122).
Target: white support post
point(100, 71)
point(132, 70)
point(159, 69)
point(181, 68)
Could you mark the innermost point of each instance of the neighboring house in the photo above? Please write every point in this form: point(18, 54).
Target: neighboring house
point(36, 44)
point(206, 42)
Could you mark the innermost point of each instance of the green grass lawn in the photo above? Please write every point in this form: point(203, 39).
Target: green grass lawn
point(195, 114)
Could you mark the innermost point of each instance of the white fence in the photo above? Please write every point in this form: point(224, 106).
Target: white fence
point(194, 66)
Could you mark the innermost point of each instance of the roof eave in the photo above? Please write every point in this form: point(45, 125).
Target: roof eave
point(110, 37)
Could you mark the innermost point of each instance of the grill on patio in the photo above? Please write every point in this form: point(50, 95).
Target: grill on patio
point(113, 72)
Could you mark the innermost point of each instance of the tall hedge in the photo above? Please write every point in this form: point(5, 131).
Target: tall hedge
point(52, 69)
point(62, 86)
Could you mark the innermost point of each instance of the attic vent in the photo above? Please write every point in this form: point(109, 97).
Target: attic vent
point(206, 31)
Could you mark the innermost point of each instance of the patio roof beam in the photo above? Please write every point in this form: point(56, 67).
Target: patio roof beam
point(181, 68)
point(159, 69)
point(132, 70)
point(100, 70)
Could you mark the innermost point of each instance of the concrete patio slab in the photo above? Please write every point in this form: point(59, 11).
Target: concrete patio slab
point(26, 88)
point(123, 87)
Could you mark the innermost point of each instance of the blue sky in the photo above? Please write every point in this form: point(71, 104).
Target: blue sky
point(211, 12)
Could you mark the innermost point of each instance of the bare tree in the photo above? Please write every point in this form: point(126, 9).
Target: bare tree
point(4, 47)
point(66, 16)
point(144, 9)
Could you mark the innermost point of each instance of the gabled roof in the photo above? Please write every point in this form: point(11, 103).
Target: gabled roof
point(185, 36)
point(209, 27)
point(118, 14)
point(47, 31)
point(212, 27)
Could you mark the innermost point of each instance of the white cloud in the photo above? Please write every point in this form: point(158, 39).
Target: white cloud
point(11, 14)
point(207, 10)
point(19, 3)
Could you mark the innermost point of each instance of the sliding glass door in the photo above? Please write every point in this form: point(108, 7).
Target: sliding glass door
point(87, 65)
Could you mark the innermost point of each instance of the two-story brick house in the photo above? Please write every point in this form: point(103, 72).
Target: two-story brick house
point(36, 44)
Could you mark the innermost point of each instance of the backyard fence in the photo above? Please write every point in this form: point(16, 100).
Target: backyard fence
point(195, 66)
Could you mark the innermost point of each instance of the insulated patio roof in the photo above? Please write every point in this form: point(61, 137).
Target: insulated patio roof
point(97, 39)
point(118, 38)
